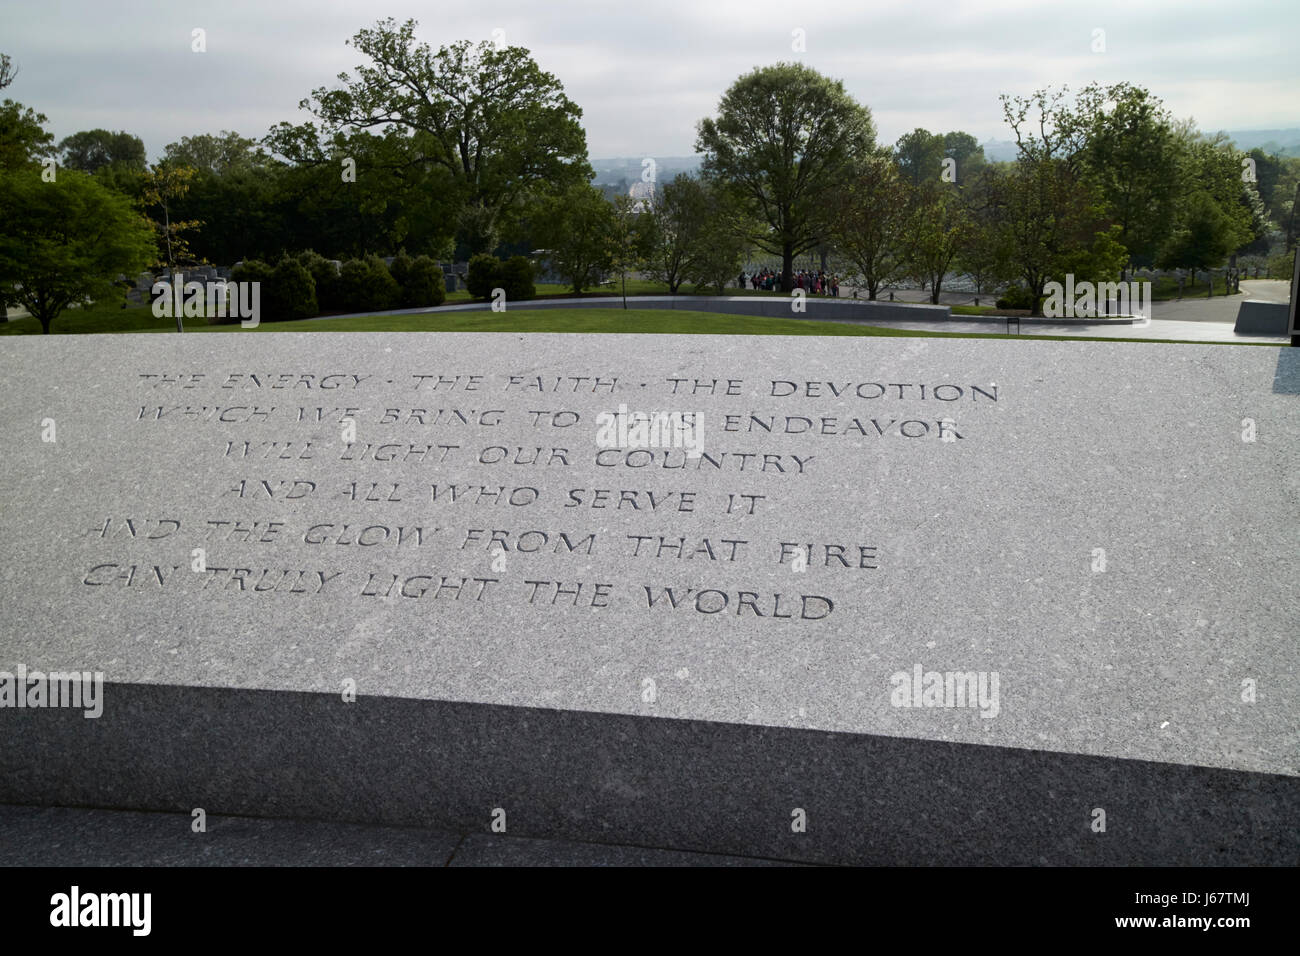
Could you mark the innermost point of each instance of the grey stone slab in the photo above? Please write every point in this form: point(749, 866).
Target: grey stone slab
point(1262, 318)
point(1101, 535)
point(73, 836)
point(500, 850)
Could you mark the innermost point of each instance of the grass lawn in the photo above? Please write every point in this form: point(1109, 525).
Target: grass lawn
point(595, 321)
point(112, 318)
point(1165, 288)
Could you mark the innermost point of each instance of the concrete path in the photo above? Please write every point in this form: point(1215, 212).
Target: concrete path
point(1209, 320)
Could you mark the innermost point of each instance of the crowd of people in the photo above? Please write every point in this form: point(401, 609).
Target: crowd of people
point(813, 283)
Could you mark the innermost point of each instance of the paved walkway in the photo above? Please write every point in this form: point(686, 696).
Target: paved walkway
point(1197, 320)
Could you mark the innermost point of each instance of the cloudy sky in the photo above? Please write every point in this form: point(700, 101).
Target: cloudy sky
point(645, 73)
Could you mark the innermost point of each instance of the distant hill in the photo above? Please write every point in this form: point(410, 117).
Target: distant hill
point(1284, 142)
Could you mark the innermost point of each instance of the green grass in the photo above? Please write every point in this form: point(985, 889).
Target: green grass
point(100, 317)
point(1164, 288)
point(660, 321)
point(111, 318)
point(641, 321)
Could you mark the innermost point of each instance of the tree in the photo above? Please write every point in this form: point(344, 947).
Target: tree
point(964, 150)
point(1047, 127)
point(492, 118)
point(1131, 154)
point(66, 242)
point(869, 221)
point(722, 241)
point(784, 140)
point(675, 222)
point(359, 191)
point(920, 155)
point(578, 230)
point(93, 149)
point(163, 184)
point(8, 73)
point(982, 254)
point(23, 138)
point(936, 229)
point(1213, 168)
point(1048, 215)
point(628, 240)
point(216, 154)
point(1202, 240)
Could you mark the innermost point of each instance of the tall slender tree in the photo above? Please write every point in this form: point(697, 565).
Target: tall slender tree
point(785, 139)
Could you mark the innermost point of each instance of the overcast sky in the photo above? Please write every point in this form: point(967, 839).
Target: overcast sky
point(645, 73)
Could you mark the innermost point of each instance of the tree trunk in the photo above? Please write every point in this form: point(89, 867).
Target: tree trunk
point(787, 266)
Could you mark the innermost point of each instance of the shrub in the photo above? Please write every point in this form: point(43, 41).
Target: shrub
point(326, 276)
point(366, 285)
point(1282, 266)
point(291, 293)
point(400, 268)
point(1016, 297)
point(424, 285)
point(483, 276)
point(251, 270)
point(517, 278)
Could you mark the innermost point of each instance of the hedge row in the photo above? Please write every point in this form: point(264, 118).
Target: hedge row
point(488, 273)
point(308, 284)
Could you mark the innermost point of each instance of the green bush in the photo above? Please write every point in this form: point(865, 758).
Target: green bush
point(326, 276)
point(1282, 266)
point(251, 270)
point(400, 268)
point(483, 275)
point(291, 293)
point(1016, 297)
point(517, 279)
point(424, 285)
point(366, 285)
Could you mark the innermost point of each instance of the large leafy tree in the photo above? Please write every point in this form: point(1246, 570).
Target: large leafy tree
point(1049, 219)
point(217, 154)
point(938, 226)
point(579, 230)
point(239, 193)
point(965, 150)
point(1203, 239)
point(356, 192)
point(722, 241)
point(785, 138)
point(491, 118)
point(1131, 153)
point(982, 255)
point(920, 155)
point(93, 149)
point(675, 223)
point(23, 137)
point(868, 223)
point(66, 241)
